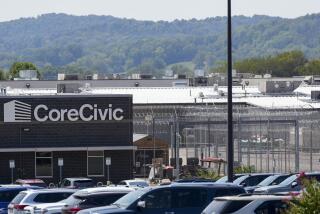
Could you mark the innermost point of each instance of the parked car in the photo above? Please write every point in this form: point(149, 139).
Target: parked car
point(249, 204)
point(31, 197)
point(224, 179)
point(291, 184)
point(179, 198)
point(269, 181)
point(47, 208)
point(251, 179)
point(93, 197)
point(133, 183)
point(77, 183)
point(8, 192)
point(31, 182)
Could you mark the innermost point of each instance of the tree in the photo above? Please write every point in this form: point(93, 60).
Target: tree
point(310, 68)
point(2, 75)
point(181, 69)
point(18, 66)
point(309, 202)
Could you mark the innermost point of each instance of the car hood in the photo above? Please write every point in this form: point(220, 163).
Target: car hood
point(274, 188)
point(250, 189)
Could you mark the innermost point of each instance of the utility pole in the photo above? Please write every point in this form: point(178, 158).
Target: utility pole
point(230, 119)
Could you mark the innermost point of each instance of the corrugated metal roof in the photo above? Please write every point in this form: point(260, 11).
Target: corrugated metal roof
point(189, 95)
point(306, 89)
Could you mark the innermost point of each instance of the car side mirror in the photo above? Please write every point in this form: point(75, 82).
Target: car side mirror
point(294, 184)
point(243, 184)
point(141, 204)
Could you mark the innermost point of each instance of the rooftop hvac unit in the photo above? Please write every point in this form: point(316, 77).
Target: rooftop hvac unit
point(61, 76)
point(215, 87)
point(145, 76)
point(28, 74)
point(315, 95)
point(3, 91)
point(71, 77)
point(68, 88)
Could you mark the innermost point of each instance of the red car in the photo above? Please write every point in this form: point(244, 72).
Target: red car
point(31, 182)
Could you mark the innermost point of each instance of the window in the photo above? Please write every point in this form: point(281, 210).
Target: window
point(43, 164)
point(7, 196)
point(227, 191)
point(101, 200)
point(160, 199)
point(254, 180)
point(66, 183)
point(19, 198)
point(51, 197)
point(95, 163)
point(189, 198)
point(234, 206)
point(274, 207)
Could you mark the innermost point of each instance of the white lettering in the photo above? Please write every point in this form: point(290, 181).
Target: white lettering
point(103, 114)
point(86, 112)
point(63, 111)
point(73, 115)
point(115, 116)
point(95, 113)
point(54, 115)
point(81, 112)
point(36, 116)
point(110, 111)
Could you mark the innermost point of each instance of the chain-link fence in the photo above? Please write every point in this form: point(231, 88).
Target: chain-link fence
point(268, 140)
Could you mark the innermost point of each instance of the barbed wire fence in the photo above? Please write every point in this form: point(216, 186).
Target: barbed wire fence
point(270, 140)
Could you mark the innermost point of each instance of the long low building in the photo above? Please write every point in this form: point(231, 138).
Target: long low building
point(196, 114)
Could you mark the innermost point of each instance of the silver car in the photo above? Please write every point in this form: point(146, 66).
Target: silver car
point(32, 197)
point(249, 204)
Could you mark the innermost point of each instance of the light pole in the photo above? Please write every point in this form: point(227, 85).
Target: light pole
point(12, 165)
point(154, 148)
point(230, 122)
point(60, 164)
point(147, 118)
point(108, 164)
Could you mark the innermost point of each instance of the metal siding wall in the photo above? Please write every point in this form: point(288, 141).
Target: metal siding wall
point(68, 134)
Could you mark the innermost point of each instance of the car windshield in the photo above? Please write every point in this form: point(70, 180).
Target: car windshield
point(72, 200)
point(19, 198)
point(238, 181)
point(44, 185)
point(128, 199)
point(215, 207)
point(222, 180)
point(84, 183)
point(268, 180)
point(138, 183)
point(7, 196)
point(289, 180)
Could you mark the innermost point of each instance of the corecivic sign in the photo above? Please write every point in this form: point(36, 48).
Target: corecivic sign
point(16, 111)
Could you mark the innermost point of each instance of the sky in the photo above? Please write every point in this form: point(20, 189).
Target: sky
point(157, 9)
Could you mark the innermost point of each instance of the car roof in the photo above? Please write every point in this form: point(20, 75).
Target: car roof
point(50, 190)
point(79, 178)
point(310, 173)
point(254, 197)
point(205, 184)
point(18, 187)
point(134, 180)
point(30, 181)
point(112, 189)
